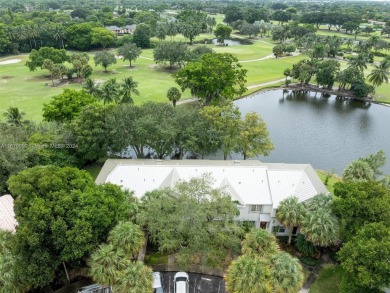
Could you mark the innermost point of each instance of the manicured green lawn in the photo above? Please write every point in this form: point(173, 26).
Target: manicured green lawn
point(30, 90)
point(328, 280)
point(362, 36)
point(269, 69)
point(331, 181)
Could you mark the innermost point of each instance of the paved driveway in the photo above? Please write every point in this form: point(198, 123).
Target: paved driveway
point(198, 283)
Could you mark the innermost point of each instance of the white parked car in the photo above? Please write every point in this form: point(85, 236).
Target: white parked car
point(181, 281)
point(157, 282)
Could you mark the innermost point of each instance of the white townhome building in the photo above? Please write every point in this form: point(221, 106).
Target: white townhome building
point(7, 215)
point(257, 187)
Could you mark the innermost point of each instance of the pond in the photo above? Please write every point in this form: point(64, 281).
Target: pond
point(328, 133)
point(230, 42)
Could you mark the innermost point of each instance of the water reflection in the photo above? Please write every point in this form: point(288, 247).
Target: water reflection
point(229, 42)
point(325, 131)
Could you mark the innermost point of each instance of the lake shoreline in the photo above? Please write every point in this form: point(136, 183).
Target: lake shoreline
point(313, 88)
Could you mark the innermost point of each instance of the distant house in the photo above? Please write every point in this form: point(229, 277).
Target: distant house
point(257, 187)
point(115, 29)
point(127, 29)
point(7, 215)
point(382, 23)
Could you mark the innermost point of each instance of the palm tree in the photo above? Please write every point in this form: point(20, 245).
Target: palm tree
point(173, 95)
point(109, 92)
point(287, 73)
point(359, 62)
point(304, 246)
point(286, 273)
point(128, 237)
point(349, 44)
point(129, 87)
point(14, 116)
point(106, 264)
point(10, 280)
point(373, 42)
point(321, 227)
point(380, 73)
point(91, 87)
point(358, 170)
point(32, 33)
point(59, 34)
point(290, 213)
point(320, 201)
point(248, 274)
point(136, 278)
point(260, 243)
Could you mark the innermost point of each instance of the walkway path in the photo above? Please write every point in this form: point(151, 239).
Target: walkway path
point(270, 56)
point(265, 83)
point(260, 59)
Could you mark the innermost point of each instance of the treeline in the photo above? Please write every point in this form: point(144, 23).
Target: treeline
point(327, 72)
point(83, 29)
point(67, 25)
point(78, 130)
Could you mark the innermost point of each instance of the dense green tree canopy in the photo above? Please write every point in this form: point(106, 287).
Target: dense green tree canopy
point(253, 139)
point(80, 64)
point(129, 52)
point(327, 73)
point(105, 59)
point(4, 39)
point(222, 32)
point(92, 131)
point(366, 256)
point(10, 281)
point(214, 79)
point(141, 36)
point(102, 37)
point(192, 219)
point(79, 36)
point(37, 57)
point(360, 203)
point(227, 121)
point(62, 216)
point(66, 106)
point(175, 53)
point(233, 13)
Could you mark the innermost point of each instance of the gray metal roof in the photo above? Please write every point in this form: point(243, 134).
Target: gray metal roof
point(7, 215)
point(248, 181)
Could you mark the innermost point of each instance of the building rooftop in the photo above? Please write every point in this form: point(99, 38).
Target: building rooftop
point(248, 182)
point(7, 215)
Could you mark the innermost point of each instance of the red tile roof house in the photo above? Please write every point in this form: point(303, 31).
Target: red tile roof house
point(7, 215)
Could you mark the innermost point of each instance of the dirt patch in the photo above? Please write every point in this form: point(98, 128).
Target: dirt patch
point(11, 61)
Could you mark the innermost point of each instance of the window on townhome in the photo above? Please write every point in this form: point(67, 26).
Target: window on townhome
point(256, 208)
point(282, 229)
